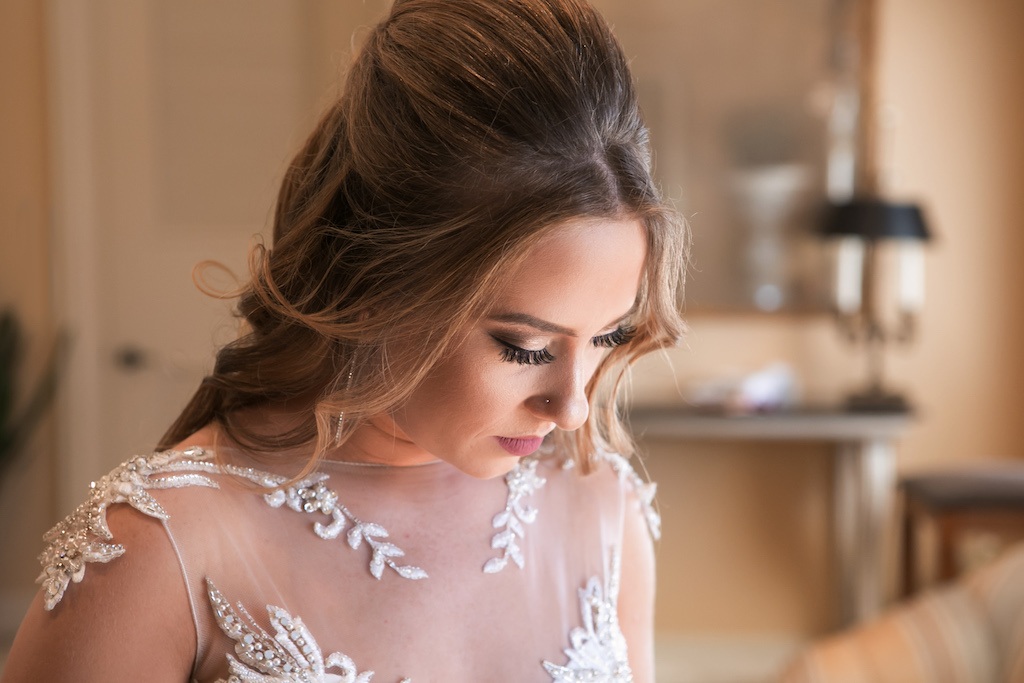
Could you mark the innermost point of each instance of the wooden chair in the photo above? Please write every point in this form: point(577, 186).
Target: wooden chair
point(979, 498)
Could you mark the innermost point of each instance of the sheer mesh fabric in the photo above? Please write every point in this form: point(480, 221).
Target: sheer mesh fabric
point(434, 613)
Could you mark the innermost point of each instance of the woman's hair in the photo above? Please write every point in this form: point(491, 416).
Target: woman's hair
point(467, 130)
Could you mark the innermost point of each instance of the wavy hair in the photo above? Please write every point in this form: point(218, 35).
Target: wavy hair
point(466, 131)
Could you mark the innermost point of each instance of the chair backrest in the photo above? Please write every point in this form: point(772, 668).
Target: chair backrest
point(943, 636)
point(999, 588)
point(971, 631)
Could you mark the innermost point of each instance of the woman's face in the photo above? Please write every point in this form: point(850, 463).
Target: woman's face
point(523, 369)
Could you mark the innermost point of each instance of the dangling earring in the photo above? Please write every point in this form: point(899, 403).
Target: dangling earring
point(341, 415)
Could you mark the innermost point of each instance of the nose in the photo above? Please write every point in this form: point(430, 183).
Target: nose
point(564, 399)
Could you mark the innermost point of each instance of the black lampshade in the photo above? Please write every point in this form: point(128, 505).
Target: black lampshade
point(874, 219)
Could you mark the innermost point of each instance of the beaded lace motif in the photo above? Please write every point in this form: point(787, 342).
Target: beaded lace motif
point(598, 653)
point(82, 536)
point(522, 481)
point(311, 495)
point(291, 655)
point(645, 490)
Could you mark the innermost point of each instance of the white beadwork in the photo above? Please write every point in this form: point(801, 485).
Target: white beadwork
point(291, 655)
point(522, 481)
point(311, 496)
point(81, 537)
point(598, 653)
point(598, 648)
point(645, 491)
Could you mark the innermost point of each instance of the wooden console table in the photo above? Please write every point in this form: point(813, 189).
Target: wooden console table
point(865, 479)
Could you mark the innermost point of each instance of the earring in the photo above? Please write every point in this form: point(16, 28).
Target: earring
point(341, 415)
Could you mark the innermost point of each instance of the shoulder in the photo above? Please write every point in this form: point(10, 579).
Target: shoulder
point(84, 537)
point(132, 617)
point(613, 478)
point(641, 490)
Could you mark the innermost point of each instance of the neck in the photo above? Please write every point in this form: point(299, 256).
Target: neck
point(379, 441)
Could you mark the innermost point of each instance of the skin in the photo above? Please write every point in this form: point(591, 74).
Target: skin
point(578, 284)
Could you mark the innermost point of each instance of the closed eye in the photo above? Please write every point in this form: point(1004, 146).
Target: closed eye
point(617, 337)
point(510, 353)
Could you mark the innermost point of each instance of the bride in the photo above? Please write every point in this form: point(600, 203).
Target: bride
point(409, 466)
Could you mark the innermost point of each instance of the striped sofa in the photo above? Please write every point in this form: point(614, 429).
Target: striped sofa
point(971, 631)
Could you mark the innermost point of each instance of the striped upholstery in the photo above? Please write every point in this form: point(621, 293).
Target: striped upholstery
point(969, 632)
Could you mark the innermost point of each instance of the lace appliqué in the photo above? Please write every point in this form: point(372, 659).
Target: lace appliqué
point(83, 536)
point(598, 653)
point(291, 655)
point(645, 490)
point(522, 481)
point(311, 495)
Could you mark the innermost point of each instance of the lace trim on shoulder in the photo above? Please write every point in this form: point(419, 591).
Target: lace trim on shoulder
point(311, 495)
point(83, 536)
point(598, 653)
point(291, 655)
point(522, 481)
point(645, 490)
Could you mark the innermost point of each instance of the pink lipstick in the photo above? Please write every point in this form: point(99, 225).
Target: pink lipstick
point(523, 446)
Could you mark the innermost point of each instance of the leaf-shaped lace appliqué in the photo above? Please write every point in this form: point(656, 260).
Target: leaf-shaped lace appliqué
point(291, 655)
point(84, 537)
point(645, 490)
point(598, 653)
point(312, 496)
point(522, 481)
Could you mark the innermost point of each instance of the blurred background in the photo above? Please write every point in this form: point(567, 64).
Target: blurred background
point(141, 137)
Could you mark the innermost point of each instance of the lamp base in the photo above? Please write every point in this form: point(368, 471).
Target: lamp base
point(877, 402)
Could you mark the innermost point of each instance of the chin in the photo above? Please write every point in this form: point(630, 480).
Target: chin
point(489, 467)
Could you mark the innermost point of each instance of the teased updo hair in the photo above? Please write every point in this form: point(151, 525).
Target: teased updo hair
point(466, 131)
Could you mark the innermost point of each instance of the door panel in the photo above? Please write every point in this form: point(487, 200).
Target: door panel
point(174, 122)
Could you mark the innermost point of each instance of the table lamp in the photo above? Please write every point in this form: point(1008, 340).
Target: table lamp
point(860, 227)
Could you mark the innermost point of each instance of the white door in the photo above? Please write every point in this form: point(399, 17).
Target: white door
point(173, 123)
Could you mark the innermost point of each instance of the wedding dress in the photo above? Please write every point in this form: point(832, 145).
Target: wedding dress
point(361, 572)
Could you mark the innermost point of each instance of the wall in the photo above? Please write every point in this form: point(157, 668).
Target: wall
point(953, 71)
point(746, 528)
point(25, 492)
point(746, 531)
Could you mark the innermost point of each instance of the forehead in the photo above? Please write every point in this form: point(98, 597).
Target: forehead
point(581, 269)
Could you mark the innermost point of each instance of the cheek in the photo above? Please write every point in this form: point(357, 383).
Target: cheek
point(469, 390)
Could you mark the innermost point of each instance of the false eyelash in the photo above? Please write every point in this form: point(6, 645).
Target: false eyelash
point(615, 338)
point(514, 354)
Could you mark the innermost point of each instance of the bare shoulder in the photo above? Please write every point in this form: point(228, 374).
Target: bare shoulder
point(128, 619)
point(614, 478)
point(639, 490)
point(641, 527)
point(114, 604)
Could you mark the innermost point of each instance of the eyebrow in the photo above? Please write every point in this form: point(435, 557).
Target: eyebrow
point(544, 325)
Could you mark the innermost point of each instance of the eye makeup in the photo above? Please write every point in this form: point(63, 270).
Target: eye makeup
point(616, 337)
point(511, 353)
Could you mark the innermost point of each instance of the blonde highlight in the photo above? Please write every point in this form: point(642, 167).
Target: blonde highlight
point(466, 131)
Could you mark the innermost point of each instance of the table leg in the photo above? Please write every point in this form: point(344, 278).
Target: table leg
point(865, 480)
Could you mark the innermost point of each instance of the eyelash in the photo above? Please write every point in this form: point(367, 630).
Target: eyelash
point(510, 353)
point(616, 337)
point(520, 356)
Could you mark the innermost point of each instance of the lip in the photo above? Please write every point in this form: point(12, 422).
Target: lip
point(520, 446)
